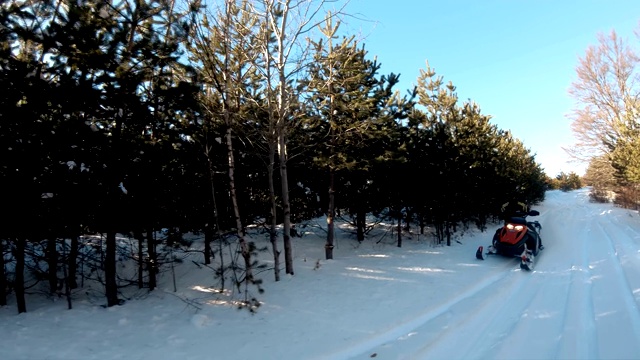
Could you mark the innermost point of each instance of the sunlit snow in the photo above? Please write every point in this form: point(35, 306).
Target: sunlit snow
point(375, 300)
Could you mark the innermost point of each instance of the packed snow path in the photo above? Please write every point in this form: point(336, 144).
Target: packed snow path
point(375, 300)
point(581, 301)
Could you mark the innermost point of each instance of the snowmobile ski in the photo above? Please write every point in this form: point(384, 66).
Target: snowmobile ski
point(526, 262)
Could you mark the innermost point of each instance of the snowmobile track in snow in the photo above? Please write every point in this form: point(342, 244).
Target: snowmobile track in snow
point(565, 308)
point(626, 302)
point(453, 317)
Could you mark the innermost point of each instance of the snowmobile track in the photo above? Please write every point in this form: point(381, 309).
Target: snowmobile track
point(454, 312)
point(579, 313)
point(623, 282)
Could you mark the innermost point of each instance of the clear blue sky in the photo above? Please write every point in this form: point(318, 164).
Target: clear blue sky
point(515, 58)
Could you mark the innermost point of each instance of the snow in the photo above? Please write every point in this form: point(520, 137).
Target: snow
point(375, 300)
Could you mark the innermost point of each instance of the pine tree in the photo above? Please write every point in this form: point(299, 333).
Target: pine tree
point(354, 109)
point(227, 58)
point(118, 58)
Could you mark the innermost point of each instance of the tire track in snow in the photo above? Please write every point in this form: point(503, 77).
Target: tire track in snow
point(416, 329)
point(478, 312)
point(560, 319)
point(579, 336)
point(488, 328)
point(543, 321)
point(574, 305)
point(504, 330)
point(612, 311)
point(629, 297)
point(480, 325)
point(630, 257)
point(438, 337)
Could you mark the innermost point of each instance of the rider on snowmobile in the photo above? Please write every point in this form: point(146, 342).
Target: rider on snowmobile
point(513, 208)
point(516, 209)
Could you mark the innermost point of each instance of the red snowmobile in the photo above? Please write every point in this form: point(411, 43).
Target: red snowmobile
point(517, 238)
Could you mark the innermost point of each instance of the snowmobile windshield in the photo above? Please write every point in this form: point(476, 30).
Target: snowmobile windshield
point(518, 220)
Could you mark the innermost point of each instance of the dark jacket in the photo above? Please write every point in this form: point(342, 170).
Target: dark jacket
point(513, 209)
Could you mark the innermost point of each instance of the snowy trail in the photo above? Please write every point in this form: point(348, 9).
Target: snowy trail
point(418, 330)
point(421, 301)
point(613, 299)
point(564, 309)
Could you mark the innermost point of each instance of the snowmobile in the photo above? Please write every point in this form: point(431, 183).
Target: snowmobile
point(516, 238)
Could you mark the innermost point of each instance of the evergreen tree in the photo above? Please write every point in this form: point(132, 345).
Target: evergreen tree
point(600, 175)
point(118, 58)
point(226, 60)
point(353, 108)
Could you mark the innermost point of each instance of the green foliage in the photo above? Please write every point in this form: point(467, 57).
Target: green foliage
point(102, 110)
point(108, 109)
point(625, 158)
point(565, 182)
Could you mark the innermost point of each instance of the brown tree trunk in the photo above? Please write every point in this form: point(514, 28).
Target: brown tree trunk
point(328, 248)
point(286, 207)
point(72, 263)
point(273, 233)
point(244, 247)
point(111, 286)
point(111, 217)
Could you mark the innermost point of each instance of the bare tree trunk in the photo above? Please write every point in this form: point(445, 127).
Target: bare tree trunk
point(399, 227)
point(152, 261)
point(439, 225)
point(226, 97)
point(361, 223)
point(281, 127)
point(140, 239)
point(244, 247)
point(272, 138)
point(3, 277)
point(215, 216)
point(18, 254)
point(331, 211)
point(221, 261)
point(407, 223)
point(208, 235)
point(65, 274)
point(52, 263)
point(273, 234)
point(286, 207)
point(328, 247)
point(286, 22)
point(72, 262)
point(111, 286)
point(448, 232)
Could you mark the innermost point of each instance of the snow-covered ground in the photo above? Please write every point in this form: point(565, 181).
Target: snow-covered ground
point(376, 300)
